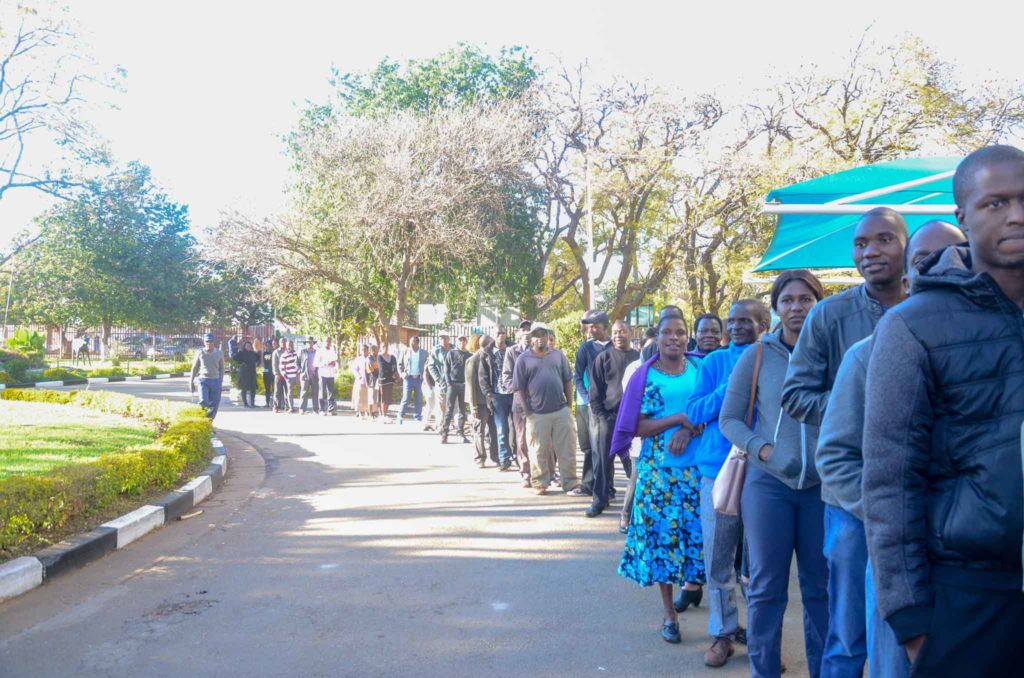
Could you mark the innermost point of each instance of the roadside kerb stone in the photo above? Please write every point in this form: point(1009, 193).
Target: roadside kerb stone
point(20, 575)
point(76, 551)
point(201, 487)
point(139, 522)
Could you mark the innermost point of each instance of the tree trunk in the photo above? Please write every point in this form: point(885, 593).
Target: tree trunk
point(105, 338)
point(402, 286)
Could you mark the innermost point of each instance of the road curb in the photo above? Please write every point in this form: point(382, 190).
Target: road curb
point(26, 573)
point(79, 381)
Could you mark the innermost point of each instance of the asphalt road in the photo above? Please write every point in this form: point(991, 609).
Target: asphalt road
point(344, 548)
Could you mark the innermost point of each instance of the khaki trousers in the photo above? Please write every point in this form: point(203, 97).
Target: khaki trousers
point(551, 436)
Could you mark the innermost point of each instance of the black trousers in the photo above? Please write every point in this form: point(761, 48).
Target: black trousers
point(310, 391)
point(583, 437)
point(601, 430)
point(328, 396)
point(268, 387)
point(456, 399)
point(485, 435)
point(975, 632)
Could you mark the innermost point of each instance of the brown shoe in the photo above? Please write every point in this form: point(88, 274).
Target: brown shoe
point(541, 490)
point(719, 652)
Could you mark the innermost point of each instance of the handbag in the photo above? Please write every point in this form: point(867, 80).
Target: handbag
point(728, 487)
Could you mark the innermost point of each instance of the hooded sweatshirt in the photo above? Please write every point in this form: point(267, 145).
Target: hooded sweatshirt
point(792, 459)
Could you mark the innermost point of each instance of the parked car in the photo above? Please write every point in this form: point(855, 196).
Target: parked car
point(183, 348)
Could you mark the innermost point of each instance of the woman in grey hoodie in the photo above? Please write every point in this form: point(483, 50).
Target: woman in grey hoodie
point(781, 503)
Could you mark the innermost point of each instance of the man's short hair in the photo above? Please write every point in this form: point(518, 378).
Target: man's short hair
point(651, 333)
point(963, 178)
point(760, 311)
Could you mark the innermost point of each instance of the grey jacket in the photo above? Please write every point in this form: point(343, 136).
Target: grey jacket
point(792, 459)
point(511, 353)
point(840, 459)
point(832, 327)
point(208, 365)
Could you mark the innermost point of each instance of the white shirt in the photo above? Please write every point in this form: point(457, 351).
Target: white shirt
point(327, 362)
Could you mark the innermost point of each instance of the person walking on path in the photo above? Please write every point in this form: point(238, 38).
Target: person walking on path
point(748, 320)
point(327, 369)
point(518, 410)
point(412, 367)
point(247, 360)
point(437, 399)
point(455, 389)
point(781, 500)
point(372, 371)
point(840, 459)
point(360, 387)
point(288, 362)
point(543, 382)
point(942, 489)
point(489, 376)
point(664, 543)
point(832, 327)
point(279, 378)
point(310, 377)
point(267, 355)
point(485, 437)
point(605, 393)
point(595, 325)
point(208, 369)
point(388, 378)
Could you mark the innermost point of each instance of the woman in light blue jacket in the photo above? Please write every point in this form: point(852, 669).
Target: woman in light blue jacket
point(781, 503)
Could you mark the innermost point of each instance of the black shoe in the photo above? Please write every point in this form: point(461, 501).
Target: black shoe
point(670, 632)
point(594, 511)
point(465, 439)
point(505, 465)
point(686, 598)
point(740, 636)
point(444, 440)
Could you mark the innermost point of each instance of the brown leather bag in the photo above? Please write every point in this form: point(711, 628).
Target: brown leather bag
point(728, 488)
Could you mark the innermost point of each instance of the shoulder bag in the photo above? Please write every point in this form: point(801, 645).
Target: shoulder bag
point(728, 488)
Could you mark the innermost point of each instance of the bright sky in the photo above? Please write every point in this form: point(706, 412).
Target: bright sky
point(213, 84)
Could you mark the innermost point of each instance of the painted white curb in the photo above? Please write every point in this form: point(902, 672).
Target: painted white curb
point(217, 444)
point(200, 487)
point(133, 378)
point(139, 522)
point(49, 384)
point(98, 380)
point(222, 461)
point(20, 575)
point(163, 376)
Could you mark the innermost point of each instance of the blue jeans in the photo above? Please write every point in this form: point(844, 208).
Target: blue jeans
point(209, 390)
point(412, 391)
point(778, 520)
point(846, 649)
point(886, 657)
point(503, 421)
point(721, 539)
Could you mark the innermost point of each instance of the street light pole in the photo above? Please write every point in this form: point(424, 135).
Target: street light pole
point(591, 248)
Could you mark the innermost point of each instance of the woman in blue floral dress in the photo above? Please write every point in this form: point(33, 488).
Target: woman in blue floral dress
point(664, 544)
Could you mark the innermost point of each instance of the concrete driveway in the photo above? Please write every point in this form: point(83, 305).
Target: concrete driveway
point(343, 548)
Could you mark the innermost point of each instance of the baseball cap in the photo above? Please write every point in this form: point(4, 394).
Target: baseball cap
point(595, 317)
point(525, 324)
point(311, 340)
point(537, 327)
point(209, 337)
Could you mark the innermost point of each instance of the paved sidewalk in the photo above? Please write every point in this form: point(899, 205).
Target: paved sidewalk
point(347, 548)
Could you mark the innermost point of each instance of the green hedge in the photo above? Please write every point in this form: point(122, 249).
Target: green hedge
point(31, 506)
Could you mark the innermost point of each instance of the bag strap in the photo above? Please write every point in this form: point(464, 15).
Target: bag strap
point(753, 384)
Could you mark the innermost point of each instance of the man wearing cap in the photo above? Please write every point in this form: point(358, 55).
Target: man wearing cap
point(518, 412)
point(455, 387)
point(595, 324)
point(310, 376)
point(543, 382)
point(437, 397)
point(208, 368)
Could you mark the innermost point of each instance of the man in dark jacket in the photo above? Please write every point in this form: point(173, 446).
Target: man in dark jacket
point(840, 460)
point(454, 375)
point(942, 490)
point(518, 410)
point(605, 393)
point(489, 377)
point(485, 437)
point(832, 327)
point(595, 323)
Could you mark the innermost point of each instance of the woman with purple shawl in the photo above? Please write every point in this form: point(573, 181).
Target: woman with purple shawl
point(664, 545)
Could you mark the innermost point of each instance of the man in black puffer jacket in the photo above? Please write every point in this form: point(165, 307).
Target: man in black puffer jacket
point(943, 492)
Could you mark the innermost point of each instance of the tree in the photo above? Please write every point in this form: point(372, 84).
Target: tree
point(45, 77)
point(383, 197)
point(120, 253)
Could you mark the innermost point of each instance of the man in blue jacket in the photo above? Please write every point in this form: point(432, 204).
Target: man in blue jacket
point(942, 489)
point(748, 320)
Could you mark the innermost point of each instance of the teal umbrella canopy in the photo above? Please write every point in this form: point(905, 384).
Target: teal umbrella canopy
point(817, 217)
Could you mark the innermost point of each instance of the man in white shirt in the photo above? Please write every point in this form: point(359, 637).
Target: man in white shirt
point(327, 366)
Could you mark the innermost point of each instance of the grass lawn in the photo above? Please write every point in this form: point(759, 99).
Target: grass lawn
point(36, 437)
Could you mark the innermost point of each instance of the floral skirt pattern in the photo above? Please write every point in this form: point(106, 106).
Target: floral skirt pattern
point(664, 544)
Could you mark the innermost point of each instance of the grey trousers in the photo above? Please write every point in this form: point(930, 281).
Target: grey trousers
point(586, 446)
point(722, 535)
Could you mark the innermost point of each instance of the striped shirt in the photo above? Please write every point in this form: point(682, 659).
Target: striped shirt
point(289, 364)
